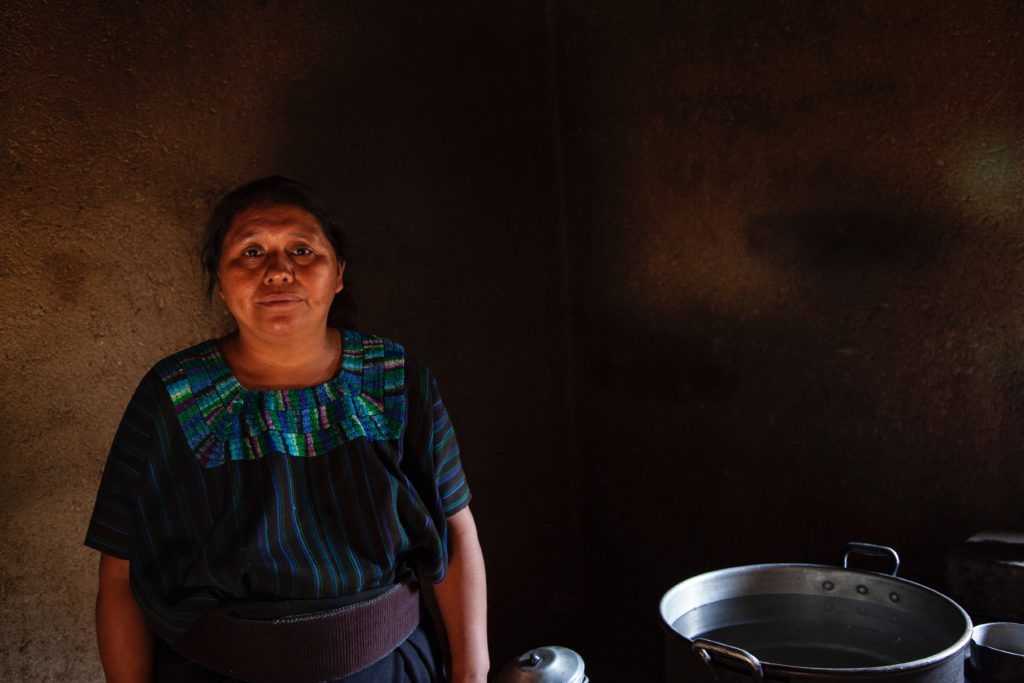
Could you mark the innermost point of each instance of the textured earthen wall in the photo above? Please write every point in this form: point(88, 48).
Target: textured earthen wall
point(797, 239)
point(430, 130)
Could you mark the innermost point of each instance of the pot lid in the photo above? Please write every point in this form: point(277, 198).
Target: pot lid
point(552, 664)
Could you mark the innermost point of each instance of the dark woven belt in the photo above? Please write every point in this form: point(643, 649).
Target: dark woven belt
point(304, 649)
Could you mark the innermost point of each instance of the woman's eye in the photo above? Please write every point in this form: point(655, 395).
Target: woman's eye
point(303, 251)
point(251, 252)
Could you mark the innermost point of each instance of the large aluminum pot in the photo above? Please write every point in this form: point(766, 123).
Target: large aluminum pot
point(801, 622)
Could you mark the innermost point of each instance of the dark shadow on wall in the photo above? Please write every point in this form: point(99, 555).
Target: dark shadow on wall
point(840, 239)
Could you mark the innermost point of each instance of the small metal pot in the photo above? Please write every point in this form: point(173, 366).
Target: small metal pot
point(552, 664)
point(797, 622)
point(997, 651)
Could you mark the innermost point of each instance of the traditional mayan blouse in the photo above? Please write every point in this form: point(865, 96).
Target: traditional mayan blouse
point(219, 494)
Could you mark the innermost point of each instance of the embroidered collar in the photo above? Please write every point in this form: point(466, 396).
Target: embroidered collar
point(222, 420)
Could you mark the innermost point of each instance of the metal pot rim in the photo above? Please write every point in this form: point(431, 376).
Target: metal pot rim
point(927, 662)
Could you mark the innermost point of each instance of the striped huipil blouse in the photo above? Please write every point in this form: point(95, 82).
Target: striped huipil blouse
point(217, 494)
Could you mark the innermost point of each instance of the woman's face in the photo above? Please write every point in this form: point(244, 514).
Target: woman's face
point(278, 272)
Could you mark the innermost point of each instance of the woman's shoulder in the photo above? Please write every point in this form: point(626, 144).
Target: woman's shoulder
point(163, 372)
point(199, 355)
point(369, 346)
point(364, 352)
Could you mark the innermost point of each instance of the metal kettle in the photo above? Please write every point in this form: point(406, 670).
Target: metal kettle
point(552, 664)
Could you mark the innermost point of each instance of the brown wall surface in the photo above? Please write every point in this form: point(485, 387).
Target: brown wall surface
point(704, 283)
point(430, 130)
point(796, 235)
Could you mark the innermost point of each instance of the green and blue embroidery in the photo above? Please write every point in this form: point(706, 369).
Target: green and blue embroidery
point(222, 420)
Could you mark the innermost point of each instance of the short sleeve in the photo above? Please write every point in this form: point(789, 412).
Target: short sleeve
point(448, 472)
point(111, 523)
point(432, 458)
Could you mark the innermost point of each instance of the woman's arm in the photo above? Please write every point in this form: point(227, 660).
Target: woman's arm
point(462, 599)
point(126, 644)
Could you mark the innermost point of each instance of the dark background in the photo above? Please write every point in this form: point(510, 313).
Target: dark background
point(705, 284)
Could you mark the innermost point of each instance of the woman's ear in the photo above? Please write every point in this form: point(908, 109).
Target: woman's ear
point(341, 277)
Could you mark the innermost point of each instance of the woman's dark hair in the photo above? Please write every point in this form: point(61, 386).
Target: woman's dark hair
point(277, 190)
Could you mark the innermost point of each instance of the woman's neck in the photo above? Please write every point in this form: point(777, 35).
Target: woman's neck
point(292, 363)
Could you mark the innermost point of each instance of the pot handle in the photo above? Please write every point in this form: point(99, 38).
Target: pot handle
point(704, 647)
point(872, 550)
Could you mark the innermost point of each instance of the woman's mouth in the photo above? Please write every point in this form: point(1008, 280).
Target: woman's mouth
point(279, 300)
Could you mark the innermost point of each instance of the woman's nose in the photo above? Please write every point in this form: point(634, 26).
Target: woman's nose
point(278, 271)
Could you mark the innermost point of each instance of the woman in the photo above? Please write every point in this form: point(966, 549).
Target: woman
point(274, 498)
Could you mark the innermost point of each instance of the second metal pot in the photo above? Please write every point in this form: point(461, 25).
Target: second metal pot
point(997, 651)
